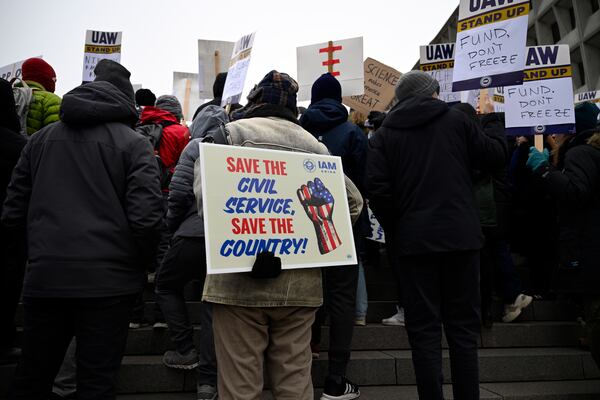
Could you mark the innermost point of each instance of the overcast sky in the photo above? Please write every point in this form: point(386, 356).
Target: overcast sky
point(160, 37)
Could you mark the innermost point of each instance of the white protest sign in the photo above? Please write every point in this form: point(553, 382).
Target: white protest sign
point(13, 70)
point(238, 68)
point(377, 233)
point(213, 58)
point(498, 99)
point(136, 87)
point(99, 46)
point(292, 204)
point(592, 97)
point(342, 58)
point(490, 43)
point(544, 103)
point(438, 61)
point(185, 88)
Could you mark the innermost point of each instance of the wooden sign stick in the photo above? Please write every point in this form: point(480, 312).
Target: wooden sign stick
point(217, 62)
point(539, 142)
point(186, 101)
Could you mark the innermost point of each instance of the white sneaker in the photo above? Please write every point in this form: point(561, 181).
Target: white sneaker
point(512, 311)
point(396, 319)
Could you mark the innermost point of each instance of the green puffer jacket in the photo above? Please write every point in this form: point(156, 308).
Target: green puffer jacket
point(44, 109)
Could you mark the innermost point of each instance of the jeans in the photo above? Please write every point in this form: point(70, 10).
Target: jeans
point(100, 326)
point(443, 289)
point(362, 300)
point(339, 285)
point(185, 261)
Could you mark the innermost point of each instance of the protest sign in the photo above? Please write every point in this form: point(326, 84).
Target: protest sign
point(98, 46)
point(498, 99)
point(238, 68)
point(543, 104)
point(185, 88)
point(592, 97)
point(292, 204)
point(438, 61)
point(377, 234)
point(490, 43)
point(342, 58)
point(473, 97)
point(136, 87)
point(380, 81)
point(213, 58)
point(13, 70)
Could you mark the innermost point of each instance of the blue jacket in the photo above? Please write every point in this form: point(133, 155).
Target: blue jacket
point(327, 120)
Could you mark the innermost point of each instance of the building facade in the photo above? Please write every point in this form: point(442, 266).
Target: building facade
point(572, 22)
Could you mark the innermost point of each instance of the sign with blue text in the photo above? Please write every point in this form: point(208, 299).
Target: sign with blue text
point(544, 103)
point(292, 204)
point(11, 71)
point(490, 43)
point(98, 46)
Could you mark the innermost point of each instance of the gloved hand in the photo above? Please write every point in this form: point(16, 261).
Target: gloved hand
point(375, 119)
point(318, 205)
point(266, 266)
point(536, 159)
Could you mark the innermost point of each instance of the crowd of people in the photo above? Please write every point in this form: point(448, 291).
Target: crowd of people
point(102, 189)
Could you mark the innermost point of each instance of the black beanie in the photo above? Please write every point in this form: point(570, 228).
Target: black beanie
point(326, 87)
point(113, 72)
point(219, 85)
point(145, 97)
point(586, 116)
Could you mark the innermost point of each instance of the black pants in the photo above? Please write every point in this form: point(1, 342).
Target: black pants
point(443, 288)
point(100, 326)
point(339, 286)
point(186, 261)
point(13, 255)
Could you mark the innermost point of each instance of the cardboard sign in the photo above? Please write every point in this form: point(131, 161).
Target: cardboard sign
point(98, 46)
point(342, 58)
point(377, 233)
point(213, 58)
point(543, 104)
point(238, 69)
point(380, 82)
point(185, 88)
point(438, 61)
point(490, 43)
point(13, 70)
point(593, 97)
point(292, 204)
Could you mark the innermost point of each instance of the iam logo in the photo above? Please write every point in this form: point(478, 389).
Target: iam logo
point(309, 165)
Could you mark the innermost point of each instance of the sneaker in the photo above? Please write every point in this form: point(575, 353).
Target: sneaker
point(512, 311)
point(160, 325)
point(138, 324)
point(339, 388)
point(396, 319)
point(314, 348)
point(174, 359)
point(206, 392)
point(360, 321)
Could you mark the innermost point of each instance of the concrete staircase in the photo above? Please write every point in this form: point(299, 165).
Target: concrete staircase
point(536, 357)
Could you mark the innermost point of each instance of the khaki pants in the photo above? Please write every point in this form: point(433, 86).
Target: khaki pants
point(245, 336)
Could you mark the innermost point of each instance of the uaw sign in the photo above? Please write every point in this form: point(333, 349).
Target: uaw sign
point(437, 60)
point(490, 43)
point(543, 104)
point(100, 45)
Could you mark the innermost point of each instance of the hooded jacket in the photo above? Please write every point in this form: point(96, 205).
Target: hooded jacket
point(87, 190)
point(43, 110)
point(419, 176)
point(327, 120)
point(182, 214)
point(174, 137)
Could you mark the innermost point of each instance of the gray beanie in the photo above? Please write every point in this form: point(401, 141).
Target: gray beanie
point(171, 104)
point(416, 83)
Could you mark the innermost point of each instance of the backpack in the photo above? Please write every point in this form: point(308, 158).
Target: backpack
point(153, 132)
point(23, 98)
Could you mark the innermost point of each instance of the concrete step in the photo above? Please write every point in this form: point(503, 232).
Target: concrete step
point(146, 374)
point(567, 390)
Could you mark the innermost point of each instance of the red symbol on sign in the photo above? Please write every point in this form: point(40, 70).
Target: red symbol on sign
point(330, 49)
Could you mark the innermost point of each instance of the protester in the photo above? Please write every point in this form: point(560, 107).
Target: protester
point(41, 78)
point(327, 119)
point(12, 252)
point(577, 190)
point(186, 260)
point(89, 234)
point(420, 189)
point(218, 87)
point(144, 97)
point(270, 319)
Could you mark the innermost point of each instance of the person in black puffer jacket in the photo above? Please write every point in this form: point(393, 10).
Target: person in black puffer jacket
point(87, 191)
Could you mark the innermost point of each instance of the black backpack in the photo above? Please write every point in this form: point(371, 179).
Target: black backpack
point(153, 132)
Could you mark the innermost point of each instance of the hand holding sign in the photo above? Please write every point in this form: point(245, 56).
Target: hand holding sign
point(318, 205)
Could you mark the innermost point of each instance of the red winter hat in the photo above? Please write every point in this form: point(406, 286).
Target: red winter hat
point(38, 70)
